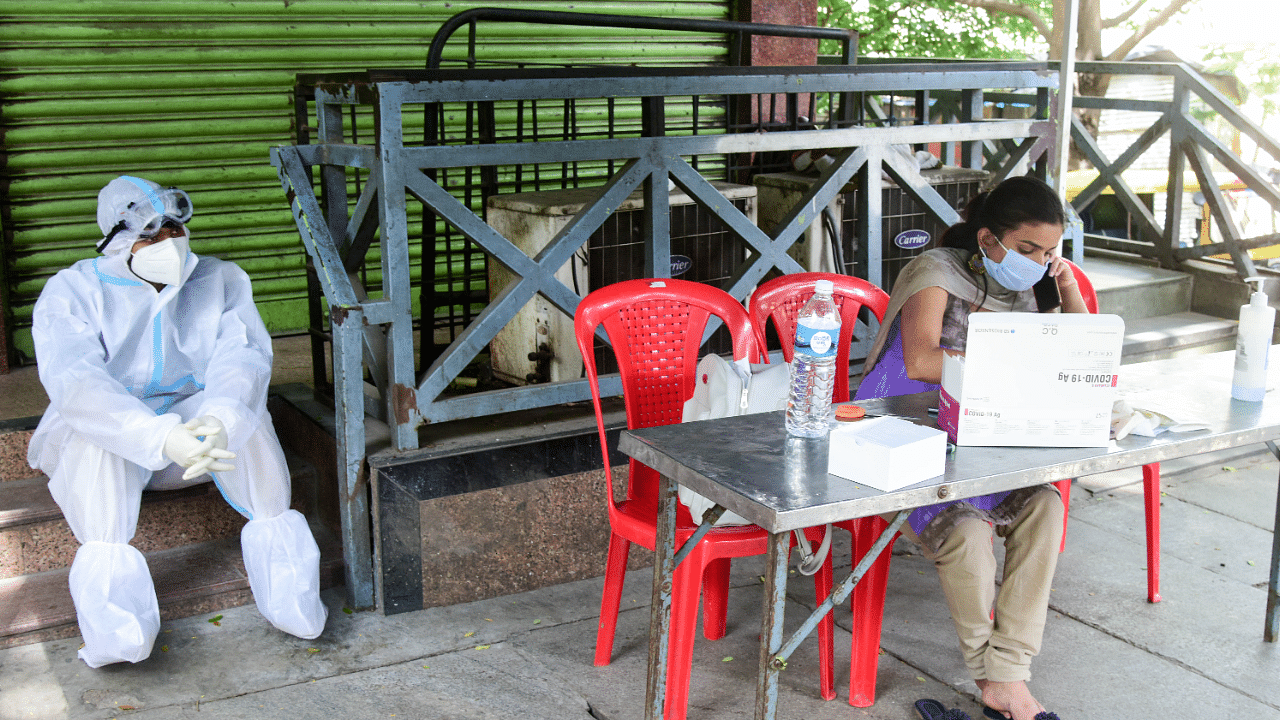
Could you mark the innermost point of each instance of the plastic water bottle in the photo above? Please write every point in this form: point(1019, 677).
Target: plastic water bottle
point(813, 365)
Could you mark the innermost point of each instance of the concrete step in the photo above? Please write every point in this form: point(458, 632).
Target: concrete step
point(15, 434)
point(1135, 291)
point(1176, 334)
point(190, 580)
point(34, 537)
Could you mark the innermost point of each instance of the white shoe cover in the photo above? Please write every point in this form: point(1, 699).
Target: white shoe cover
point(283, 564)
point(115, 603)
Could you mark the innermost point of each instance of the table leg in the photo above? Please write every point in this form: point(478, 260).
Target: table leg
point(775, 600)
point(845, 587)
point(1271, 630)
point(660, 607)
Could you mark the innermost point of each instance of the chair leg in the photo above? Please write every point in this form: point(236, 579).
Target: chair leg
point(1064, 489)
point(822, 581)
point(868, 614)
point(715, 598)
point(685, 588)
point(1151, 491)
point(615, 572)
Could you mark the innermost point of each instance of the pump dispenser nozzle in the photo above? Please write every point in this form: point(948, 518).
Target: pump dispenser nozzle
point(1258, 298)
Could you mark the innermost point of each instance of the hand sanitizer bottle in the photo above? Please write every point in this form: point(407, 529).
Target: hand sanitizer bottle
point(1253, 345)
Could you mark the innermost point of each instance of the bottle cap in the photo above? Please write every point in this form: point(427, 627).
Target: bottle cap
point(824, 286)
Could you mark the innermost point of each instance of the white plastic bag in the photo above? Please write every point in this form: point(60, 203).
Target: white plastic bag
point(724, 389)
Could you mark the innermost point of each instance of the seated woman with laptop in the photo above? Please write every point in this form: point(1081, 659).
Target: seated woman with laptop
point(1001, 258)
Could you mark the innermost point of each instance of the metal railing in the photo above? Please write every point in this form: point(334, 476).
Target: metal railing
point(1193, 147)
point(450, 272)
point(342, 229)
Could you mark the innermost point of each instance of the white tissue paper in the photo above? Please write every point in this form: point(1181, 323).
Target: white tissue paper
point(1127, 420)
point(886, 453)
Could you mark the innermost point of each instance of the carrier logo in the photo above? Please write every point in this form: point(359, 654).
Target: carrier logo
point(680, 265)
point(911, 239)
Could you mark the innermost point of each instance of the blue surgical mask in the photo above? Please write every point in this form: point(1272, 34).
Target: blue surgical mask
point(1016, 271)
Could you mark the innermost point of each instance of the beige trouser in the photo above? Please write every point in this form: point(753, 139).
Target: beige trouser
point(998, 645)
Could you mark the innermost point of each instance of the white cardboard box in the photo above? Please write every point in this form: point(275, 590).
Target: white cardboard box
point(886, 453)
point(1033, 380)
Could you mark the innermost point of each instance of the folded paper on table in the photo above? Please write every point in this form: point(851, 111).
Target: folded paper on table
point(1033, 380)
point(886, 453)
point(1148, 422)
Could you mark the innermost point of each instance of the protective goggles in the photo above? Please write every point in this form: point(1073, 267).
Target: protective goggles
point(144, 218)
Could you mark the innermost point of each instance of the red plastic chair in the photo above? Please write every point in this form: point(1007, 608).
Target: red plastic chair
point(1150, 474)
point(779, 300)
point(656, 329)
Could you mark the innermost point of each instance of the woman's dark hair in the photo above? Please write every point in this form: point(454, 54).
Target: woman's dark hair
point(1016, 201)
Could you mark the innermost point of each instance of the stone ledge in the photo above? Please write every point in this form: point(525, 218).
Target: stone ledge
point(496, 521)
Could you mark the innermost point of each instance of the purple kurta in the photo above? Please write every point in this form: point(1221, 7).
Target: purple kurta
point(889, 378)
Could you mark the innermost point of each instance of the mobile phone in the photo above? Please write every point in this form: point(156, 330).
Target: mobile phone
point(1046, 290)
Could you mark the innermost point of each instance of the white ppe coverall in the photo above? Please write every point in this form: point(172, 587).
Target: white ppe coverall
point(123, 365)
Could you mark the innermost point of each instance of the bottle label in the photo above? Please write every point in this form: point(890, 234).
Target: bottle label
point(819, 341)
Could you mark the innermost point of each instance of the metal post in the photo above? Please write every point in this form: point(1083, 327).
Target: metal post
point(348, 383)
point(970, 112)
point(401, 394)
point(1066, 83)
point(657, 199)
point(871, 214)
point(1177, 167)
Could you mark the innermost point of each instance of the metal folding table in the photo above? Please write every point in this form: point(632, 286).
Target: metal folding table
point(748, 465)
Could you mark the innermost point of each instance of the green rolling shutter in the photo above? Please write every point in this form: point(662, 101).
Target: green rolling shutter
point(193, 93)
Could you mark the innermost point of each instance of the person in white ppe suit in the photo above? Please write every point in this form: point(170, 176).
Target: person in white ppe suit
point(156, 364)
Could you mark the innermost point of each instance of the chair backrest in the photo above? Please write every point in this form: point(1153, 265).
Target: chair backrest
point(781, 299)
point(1086, 287)
point(656, 329)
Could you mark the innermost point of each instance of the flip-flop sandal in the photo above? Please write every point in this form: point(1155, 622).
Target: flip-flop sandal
point(933, 710)
point(997, 715)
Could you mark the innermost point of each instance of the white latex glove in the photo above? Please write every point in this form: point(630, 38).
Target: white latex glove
point(212, 459)
point(185, 447)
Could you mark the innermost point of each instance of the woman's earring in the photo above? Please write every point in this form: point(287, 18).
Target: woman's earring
point(975, 264)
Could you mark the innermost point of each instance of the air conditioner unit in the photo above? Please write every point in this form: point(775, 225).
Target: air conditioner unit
point(907, 228)
point(703, 249)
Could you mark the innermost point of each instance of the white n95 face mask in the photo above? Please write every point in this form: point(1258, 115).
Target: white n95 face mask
point(1016, 271)
point(162, 262)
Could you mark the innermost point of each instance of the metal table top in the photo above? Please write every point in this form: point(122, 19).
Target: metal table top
point(749, 465)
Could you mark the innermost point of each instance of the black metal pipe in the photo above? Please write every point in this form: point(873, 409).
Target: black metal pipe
point(555, 17)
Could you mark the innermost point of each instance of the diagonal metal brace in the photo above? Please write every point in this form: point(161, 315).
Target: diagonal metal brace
point(840, 592)
point(709, 518)
point(295, 178)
